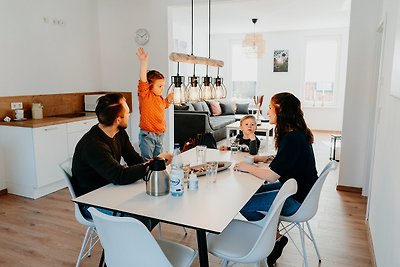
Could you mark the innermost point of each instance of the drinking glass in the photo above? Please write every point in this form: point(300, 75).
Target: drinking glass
point(201, 154)
point(211, 171)
point(186, 171)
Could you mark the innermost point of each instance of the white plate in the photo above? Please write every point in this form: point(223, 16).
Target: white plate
point(201, 168)
point(23, 119)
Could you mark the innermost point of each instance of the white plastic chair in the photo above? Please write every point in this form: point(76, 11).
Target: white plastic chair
point(306, 212)
point(127, 242)
point(250, 242)
point(91, 237)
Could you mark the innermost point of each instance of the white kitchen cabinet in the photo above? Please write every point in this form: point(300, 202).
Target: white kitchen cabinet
point(75, 131)
point(31, 159)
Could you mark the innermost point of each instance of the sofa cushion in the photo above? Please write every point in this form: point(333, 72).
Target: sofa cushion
point(215, 108)
point(205, 106)
point(181, 107)
point(242, 108)
point(227, 109)
point(197, 106)
point(191, 108)
point(219, 122)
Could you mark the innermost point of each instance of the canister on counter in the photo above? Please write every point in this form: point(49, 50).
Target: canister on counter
point(37, 111)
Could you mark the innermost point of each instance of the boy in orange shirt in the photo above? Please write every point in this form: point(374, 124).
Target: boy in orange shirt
point(151, 106)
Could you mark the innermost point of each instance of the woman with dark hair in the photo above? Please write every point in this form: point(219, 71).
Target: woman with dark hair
point(294, 159)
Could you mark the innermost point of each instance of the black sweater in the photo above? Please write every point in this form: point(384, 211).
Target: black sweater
point(252, 146)
point(97, 158)
point(295, 159)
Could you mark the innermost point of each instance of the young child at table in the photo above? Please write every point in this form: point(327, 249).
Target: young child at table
point(247, 137)
point(151, 106)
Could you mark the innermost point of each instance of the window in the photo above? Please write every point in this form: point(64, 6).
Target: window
point(244, 74)
point(320, 83)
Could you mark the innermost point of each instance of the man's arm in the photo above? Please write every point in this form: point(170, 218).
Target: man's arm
point(101, 159)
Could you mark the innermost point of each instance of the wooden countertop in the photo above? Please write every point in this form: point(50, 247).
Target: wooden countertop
point(46, 121)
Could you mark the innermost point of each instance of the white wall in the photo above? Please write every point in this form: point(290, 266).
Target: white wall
point(384, 199)
point(360, 95)
point(39, 57)
point(118, 21)
point(270, 82)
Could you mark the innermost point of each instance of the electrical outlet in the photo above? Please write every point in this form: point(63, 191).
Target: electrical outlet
point(16, 105)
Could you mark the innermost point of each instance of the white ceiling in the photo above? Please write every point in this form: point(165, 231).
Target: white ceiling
point(235, 16)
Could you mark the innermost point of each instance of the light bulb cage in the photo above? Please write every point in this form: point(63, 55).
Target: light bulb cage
point(179, 89)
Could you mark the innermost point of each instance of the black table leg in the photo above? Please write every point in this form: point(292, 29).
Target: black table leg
point(202, 246)
point(101, 263)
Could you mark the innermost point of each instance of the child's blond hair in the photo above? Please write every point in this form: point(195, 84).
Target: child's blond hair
point(245, 117)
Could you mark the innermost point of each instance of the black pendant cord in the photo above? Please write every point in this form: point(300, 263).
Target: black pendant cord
point(209, 33)
point(194, 65)
point(192, 25)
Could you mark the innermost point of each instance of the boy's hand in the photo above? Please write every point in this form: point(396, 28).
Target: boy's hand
point(252, 136)
point(142, 55)
point(170, 98)
point(223, 148)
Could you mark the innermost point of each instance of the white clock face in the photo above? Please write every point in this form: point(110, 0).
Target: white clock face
point(142, 36)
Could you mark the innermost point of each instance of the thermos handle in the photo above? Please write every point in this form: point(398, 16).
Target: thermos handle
point(146, 177)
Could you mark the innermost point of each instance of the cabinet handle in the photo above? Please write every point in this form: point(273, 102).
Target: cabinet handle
point(50, 129)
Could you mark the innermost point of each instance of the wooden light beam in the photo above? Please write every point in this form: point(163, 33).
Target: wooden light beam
point(179, 57)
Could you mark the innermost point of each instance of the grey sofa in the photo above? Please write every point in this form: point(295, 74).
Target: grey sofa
point(196, 118)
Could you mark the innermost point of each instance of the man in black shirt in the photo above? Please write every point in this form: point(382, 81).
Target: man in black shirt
point(97, 158)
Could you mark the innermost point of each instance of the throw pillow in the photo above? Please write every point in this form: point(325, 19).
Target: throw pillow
point(198, 106)
point(242, 108)
point(191, 108)
point(227, 109)
point(214, 107)
point(205, 106)
point(181, 107)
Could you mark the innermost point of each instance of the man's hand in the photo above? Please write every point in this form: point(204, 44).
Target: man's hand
point(167, 156)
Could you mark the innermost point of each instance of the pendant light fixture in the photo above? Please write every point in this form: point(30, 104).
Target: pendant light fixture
point(253, 43)
point(178, 88)
point(195, 92)
point(220, 89)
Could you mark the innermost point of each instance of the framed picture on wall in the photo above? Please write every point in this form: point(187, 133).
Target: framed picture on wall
point(281, 60)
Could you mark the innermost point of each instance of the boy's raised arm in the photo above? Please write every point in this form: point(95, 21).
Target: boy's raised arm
point(143, 58)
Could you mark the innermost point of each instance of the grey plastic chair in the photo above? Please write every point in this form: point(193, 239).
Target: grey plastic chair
point(250, 242)
point(91, 237)
point(306, 212)
point(127, 242)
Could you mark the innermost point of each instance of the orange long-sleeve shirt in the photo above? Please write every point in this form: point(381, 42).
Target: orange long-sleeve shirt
point(151, 107)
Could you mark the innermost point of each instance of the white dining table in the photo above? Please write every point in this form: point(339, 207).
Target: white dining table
point(209, 209)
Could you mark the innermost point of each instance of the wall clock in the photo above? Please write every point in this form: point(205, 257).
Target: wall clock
point(142, 36)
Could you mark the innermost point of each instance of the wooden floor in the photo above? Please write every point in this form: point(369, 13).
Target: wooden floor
point(44, 232)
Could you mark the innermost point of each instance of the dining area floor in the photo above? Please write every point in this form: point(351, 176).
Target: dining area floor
point(44, 232)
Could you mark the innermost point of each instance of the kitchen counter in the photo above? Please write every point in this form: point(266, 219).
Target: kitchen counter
point(46, 121)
